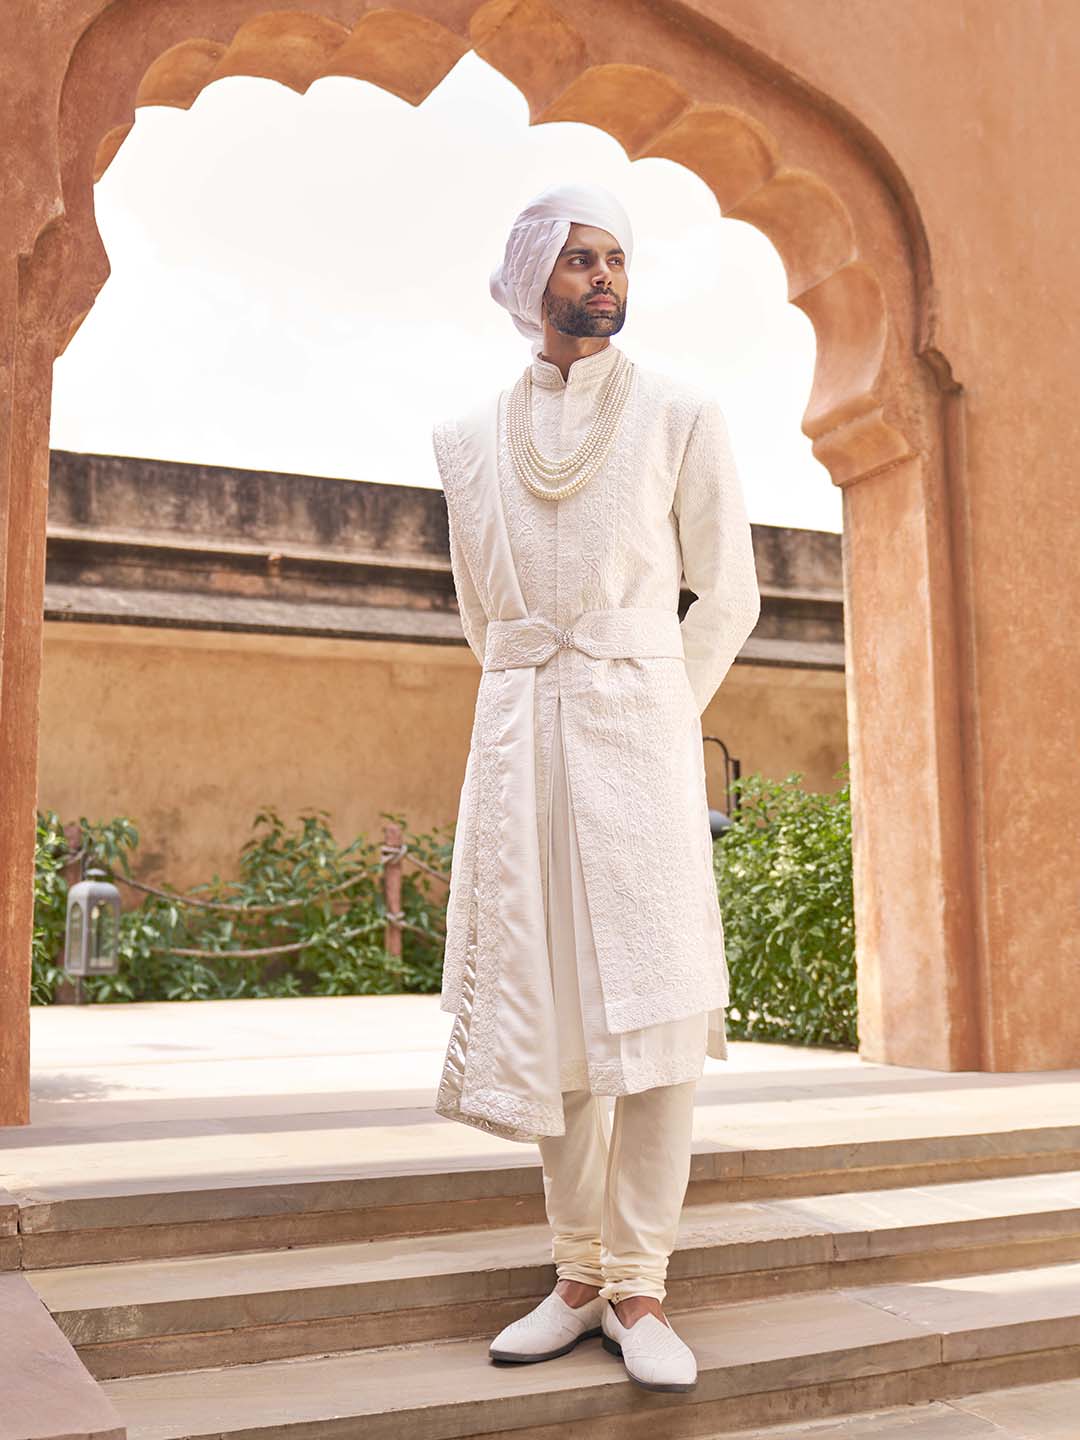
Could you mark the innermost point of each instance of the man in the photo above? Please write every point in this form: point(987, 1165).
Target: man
point(584, 953)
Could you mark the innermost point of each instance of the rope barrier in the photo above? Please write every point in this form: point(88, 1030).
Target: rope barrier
point(264, 951)
point(435, 874)
point(234, 908)
point(268, 950)
point(388, 855)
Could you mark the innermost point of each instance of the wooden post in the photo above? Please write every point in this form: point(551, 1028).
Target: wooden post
point(392, 870)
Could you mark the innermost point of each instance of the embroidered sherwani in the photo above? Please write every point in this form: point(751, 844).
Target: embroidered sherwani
point(589, 711)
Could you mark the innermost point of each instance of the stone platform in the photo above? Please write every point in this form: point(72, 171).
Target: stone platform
point(175, 1096)
point(245, 1220)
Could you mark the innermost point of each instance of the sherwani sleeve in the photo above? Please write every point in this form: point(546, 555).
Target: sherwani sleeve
point(473, 619)
point(717, 553)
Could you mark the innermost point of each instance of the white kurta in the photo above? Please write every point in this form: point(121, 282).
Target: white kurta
point(590, 1056)
point(571, 606)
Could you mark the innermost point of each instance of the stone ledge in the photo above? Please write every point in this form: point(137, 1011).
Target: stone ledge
point(48, 1394)
point(188, 610)
point(222, 1212)
point(10, 1241)
point(194, 547)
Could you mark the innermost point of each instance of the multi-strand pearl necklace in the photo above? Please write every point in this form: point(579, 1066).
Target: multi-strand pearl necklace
point(537, 472)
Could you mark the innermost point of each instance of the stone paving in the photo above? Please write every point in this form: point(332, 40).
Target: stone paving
point(161, 1095)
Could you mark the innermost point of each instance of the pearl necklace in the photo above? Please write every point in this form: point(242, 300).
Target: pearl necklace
point(535, 470)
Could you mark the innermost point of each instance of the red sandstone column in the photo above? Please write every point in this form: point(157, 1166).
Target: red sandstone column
point(24, 489)
point(918, 992)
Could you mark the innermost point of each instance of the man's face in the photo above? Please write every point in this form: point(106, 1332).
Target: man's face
point(590, 267)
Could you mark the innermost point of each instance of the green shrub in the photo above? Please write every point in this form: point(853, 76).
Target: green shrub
point(342, 931)
point(783, 874)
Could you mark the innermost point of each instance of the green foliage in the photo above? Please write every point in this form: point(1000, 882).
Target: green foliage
point(343, 931)
point(783, 874)
point(784, 879)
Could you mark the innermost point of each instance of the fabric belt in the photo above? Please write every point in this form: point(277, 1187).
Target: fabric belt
point(620, 634)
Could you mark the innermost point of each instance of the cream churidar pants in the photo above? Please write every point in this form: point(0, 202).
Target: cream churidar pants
point(613, 1190)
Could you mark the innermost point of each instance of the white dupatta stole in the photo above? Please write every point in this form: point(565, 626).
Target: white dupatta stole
point(501, 1071)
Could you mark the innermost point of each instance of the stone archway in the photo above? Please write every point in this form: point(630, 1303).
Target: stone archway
point(883, 413)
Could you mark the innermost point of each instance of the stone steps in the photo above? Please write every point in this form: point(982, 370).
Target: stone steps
point(1023, 1412)
point(115, 1222)
point(144, 1316)
point(761, 1362)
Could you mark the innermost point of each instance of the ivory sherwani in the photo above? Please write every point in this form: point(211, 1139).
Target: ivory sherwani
point(571, 607)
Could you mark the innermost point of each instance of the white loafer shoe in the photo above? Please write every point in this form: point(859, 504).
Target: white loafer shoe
point(551, 1329)
point(653, 1354)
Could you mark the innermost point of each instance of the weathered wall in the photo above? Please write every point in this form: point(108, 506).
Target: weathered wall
point(223, 639)
point(189, 733)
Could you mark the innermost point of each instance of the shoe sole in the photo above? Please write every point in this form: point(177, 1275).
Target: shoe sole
point(615, 1348)
point(507, 1357)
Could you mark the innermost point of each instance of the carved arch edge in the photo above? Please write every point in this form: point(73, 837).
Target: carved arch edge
point(849, 413)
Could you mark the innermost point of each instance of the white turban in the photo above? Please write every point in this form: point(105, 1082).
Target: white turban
point(536, 238)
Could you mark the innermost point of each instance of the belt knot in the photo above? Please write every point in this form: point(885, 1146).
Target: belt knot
point(619, 633)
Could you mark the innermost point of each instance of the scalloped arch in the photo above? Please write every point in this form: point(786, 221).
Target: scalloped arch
point(535, 45)
point(665, 80)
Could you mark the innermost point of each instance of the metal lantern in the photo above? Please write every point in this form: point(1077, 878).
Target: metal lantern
point(92, 943)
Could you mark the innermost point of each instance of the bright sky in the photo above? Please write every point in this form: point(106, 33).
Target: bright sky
point(300, 283)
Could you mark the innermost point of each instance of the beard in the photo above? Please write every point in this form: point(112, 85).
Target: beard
point(570, 317)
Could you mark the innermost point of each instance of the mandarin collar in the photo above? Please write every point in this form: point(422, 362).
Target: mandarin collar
point(584, 371)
